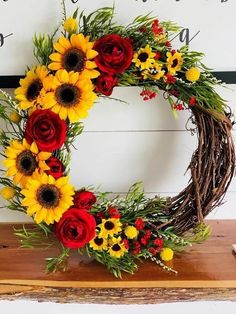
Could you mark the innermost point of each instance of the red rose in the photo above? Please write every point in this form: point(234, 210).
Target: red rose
point(56, 167)
point(105, 84)
point(84, 199)
point(75, 228)
point(114, 53)
point(46, 129)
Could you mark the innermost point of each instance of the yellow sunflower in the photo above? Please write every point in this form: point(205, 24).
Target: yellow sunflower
point(109, 227)
point(23, 160)
point(74, 54)
point(144, 57)
point(98, 244)
point(174, 62)
point(31, 88)
point(154, 72)
point(69, 95)
point(47, 198)
point(117, 248)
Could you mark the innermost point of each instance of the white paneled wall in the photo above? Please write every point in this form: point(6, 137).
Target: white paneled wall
point(127, 142)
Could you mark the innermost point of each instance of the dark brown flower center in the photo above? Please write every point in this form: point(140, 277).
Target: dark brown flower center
point(143, 57)
point(74, 60)
point(26, 163)
point(74, 232)
point(48, 196)
point(34, 89)
point(116, 247)
point(175, 63)
point(98, 241)
point(109, 225)
point(67, 95)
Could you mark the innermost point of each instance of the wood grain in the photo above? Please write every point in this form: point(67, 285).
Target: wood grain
point(205, 272)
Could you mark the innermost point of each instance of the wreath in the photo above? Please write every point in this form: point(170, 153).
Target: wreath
point(85, 58)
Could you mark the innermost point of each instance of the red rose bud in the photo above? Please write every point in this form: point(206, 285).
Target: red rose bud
point(156, 28)
point(114, 212)
point(152, 250)
point(192, 101)
point(168, 43)
point(157, 55)
point(115, 53)
point(126, 243)
point(144, 241)
point(84, 199)
point(46, 129)
point(139, 224)
point(56, 167)
point(173, 52)
point(174, 92)
point(148, 234)
point(158, 243)
point(75, 228)
point(105, 84)
point(170, 79)
point(178, 107)
point(137, 248)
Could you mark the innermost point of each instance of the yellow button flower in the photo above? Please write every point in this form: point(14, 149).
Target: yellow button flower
point(193, 74)
point(7, 192)
point(15, 117)
point(131, 232)
point(167, 254)
point(70, 25)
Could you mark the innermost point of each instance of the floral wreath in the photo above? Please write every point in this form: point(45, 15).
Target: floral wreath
point(90, 56)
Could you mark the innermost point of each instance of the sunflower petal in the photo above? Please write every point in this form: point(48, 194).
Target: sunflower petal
point(91, 54)
point(34, 148)
point(44, 155)
point(55, 57)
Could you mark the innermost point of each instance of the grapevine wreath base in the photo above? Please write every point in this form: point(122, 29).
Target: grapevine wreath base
point(86, 58)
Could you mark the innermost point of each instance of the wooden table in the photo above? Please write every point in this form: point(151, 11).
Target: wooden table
point(205, 272)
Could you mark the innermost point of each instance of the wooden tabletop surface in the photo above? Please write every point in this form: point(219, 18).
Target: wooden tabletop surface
point(212, 264)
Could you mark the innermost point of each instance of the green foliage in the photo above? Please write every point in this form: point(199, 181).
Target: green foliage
point(34, 236)
point(199, 234)
point(74, 130)
point(43, 47)
point(114, 265)
point(58, 263)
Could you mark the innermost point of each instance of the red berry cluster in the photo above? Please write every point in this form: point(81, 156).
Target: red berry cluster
point(148, 94)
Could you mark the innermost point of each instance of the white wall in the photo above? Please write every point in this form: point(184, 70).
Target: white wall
point(213, 18)
point(126, 143)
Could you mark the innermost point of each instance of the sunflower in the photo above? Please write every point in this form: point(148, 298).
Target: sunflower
point(174, 62)
point(98, 244)
point(31, 88)
point(117, 248)
point(74, 54)
point(47, 198)
point(144, 57)
point(109, 227)
point(69, 95)
point(154, 72)
point(23, 160)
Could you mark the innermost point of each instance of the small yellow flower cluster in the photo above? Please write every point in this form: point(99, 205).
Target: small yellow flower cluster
point(7, 192)
point(193, 74)
point(167, 254)
point(109, 239)
point(152, 68)
point(70, 25)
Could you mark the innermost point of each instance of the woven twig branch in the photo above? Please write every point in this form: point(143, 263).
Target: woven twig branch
point(212, 168)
